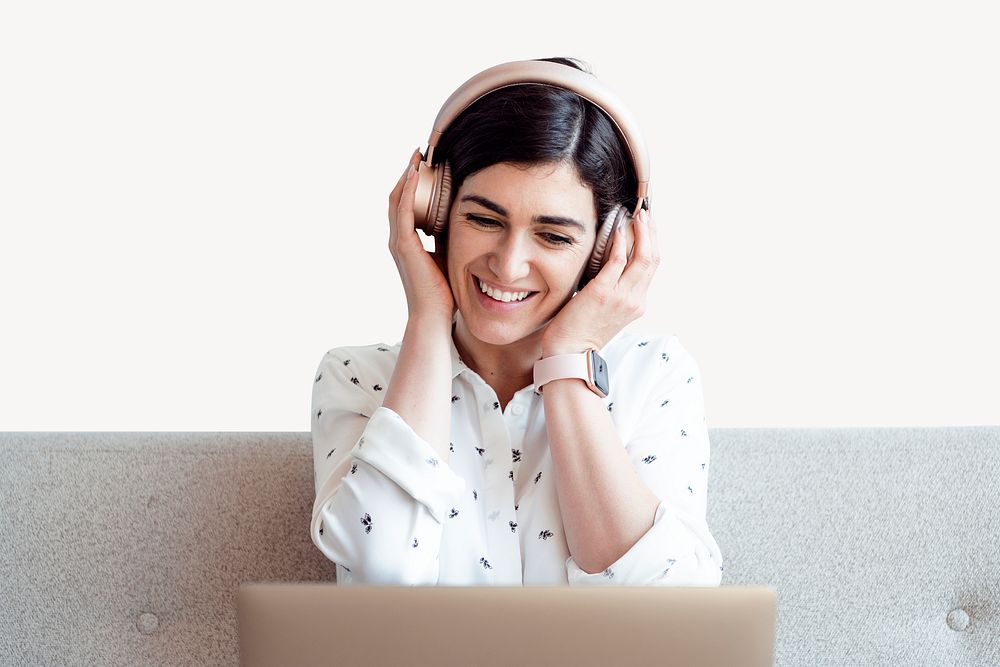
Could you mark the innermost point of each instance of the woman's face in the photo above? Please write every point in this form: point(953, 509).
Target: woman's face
point(518, 229)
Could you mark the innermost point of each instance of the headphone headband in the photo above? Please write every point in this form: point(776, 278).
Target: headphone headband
point(554, 74)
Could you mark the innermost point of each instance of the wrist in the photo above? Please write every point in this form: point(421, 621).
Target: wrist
point(570, 362)
point(428, 327)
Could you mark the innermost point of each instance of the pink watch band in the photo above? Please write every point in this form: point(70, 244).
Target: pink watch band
point(561, 366)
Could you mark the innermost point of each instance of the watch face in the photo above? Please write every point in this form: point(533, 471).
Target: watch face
point(600, 368)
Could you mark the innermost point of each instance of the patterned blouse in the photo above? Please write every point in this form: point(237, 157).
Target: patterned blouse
point(388, 511)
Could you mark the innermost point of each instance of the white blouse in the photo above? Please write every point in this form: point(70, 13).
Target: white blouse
point(389, 512)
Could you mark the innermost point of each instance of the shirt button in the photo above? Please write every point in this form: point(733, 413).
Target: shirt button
point(517, 409)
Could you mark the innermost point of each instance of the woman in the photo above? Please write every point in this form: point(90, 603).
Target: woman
point(452, 458)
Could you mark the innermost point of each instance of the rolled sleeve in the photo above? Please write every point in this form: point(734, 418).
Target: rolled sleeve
point(676, 551)
point(393, 448)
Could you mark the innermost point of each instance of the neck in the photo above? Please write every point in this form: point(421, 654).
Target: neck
point(499, 365)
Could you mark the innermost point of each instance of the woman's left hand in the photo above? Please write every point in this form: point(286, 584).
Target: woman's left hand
point(612, 299)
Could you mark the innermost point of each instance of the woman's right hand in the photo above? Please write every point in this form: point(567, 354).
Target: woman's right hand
point(424, 274)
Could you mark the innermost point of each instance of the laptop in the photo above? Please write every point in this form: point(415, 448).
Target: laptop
point(305, 624)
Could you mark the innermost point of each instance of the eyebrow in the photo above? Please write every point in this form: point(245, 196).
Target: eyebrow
point(559, 220)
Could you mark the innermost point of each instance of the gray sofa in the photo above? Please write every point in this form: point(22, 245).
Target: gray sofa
point(128, 548)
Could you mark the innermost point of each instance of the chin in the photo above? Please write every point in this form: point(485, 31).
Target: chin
point(499, 333)
point(495, 331)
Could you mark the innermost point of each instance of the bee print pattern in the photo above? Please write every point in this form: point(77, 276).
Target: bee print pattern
point(513, 526)
point(433, 462)
point(496, 405)
point(475, 495)
point(538, 477)
point(347, 362)
point(649, 459)
point(451, 446)
point(319, 377)
point(318, 414)
point(414, 543)
point(664, 357)
point(609, 573)
point(377, 387)
point(381, 348)
point(331, 452)
point(354, 468)
point(455, 398)
point(644, 343)
point(511, 475)
point(670, 564)
point(516, 454)
point(689, 380)
point(684, 433)
point(486, 564)
point(453, 514)
point(320, 527)
point(545, 534)
point(366, 521)
point(481, 450)
point(664, 403)
point(609, 405)
point(356, 381)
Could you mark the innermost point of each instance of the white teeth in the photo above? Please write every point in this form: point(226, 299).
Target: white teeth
point(506, 297)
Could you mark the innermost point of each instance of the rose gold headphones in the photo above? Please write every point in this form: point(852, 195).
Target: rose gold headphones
point(432, 199)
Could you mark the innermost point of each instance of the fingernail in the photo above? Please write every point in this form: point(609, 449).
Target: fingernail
point(410, 171)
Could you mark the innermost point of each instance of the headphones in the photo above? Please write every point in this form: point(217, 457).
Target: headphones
point(433, 196)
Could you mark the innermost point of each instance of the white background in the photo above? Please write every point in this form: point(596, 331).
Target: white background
point(193, 198)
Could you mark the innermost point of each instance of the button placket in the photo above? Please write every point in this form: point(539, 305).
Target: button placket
point(503, 543)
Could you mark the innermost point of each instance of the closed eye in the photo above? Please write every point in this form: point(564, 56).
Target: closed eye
point(555, 239)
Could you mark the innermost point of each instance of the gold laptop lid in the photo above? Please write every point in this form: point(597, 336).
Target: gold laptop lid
point(323, 624)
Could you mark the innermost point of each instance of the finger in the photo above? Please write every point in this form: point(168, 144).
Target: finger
point(639, 273)
point(397, 198)
point(404, 212)
point(611, 272)
point(415, 158)
point(654, 236)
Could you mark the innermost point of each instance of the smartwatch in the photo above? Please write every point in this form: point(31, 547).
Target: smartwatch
point(589, 366)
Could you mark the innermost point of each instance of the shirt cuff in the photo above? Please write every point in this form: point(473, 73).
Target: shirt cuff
point(673, 552)
point(393, 448)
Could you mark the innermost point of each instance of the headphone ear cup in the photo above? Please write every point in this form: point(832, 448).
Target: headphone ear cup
point(602, 245)
point(441, 206)
point(432, 199)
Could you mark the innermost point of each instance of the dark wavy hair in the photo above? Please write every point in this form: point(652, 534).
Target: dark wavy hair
point(532, 124)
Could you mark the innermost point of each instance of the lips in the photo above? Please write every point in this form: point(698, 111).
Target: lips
point(491, 304)
point(494, 288)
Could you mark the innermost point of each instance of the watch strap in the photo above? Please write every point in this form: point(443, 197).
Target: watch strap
point(561, 366)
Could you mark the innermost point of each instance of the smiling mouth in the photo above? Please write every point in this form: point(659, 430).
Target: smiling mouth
point(477, 282)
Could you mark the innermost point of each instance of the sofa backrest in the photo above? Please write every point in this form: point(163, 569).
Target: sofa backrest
point(128, 548)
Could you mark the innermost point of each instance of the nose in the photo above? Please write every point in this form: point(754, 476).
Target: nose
point(510, 262)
